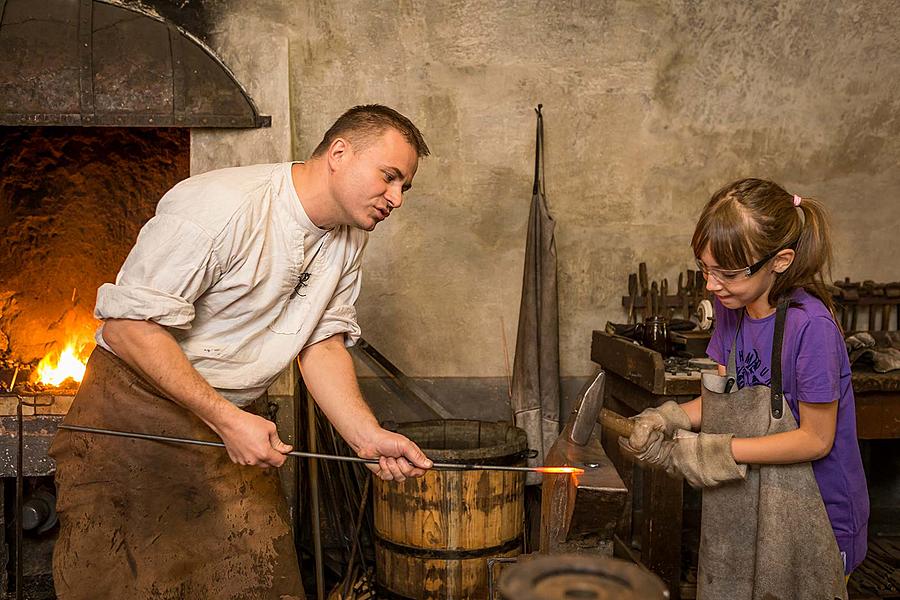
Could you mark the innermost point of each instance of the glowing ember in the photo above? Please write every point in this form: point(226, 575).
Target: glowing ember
point(561, 470)
point(56, 367)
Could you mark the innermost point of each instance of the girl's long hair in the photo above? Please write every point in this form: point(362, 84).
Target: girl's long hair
point(752, 218)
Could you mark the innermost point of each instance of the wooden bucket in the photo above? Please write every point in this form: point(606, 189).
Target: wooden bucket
point(435, 533)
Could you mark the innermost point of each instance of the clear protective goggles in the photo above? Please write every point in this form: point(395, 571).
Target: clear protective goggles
point(733, 275)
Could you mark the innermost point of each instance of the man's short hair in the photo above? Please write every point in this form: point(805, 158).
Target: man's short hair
point(361, 124)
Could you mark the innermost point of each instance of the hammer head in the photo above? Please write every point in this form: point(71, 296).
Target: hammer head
point(587, 409)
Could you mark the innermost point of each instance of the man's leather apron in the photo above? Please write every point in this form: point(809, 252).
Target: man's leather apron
point(143, 519)
point(767, 537)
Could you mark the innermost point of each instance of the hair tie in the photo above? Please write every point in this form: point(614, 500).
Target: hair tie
point(797, 200)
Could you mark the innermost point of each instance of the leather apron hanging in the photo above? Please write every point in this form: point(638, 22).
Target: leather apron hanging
point(142, 519)
point(767, 537)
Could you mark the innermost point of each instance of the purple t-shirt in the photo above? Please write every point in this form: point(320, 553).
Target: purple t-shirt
point(815, 368)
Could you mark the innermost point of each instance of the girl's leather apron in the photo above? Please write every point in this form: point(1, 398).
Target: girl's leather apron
point(767, 537)
point(142, 519)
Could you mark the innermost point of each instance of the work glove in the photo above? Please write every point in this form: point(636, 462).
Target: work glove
point(657, 453)
point(648, 441)
point(704, 459)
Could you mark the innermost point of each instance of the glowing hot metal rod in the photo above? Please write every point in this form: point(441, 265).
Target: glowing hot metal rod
point(371, 461)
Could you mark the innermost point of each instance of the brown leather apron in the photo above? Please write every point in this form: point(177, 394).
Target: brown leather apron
point(767, 537)
point(142, 519)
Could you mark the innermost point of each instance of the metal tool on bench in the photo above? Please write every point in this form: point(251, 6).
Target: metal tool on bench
point(589, 411)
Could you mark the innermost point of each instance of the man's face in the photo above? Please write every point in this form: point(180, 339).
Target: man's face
point(369, 183)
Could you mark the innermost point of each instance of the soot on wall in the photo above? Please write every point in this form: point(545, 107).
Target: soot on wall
point(72, 201)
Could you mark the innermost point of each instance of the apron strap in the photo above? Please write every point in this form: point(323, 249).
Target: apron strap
point(775, 385)
point(777, 338)
point(731, 369)
point(539, 152)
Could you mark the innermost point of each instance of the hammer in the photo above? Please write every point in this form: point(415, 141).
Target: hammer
point(589, 410)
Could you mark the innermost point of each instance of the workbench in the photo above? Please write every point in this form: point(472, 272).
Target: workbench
point(877, 403)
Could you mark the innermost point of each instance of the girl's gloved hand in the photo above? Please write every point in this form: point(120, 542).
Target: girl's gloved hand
point(704, 459)
point(656, 452)
point(653, 425)
point(649, 443)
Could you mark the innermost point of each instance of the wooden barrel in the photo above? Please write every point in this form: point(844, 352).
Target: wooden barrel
point(583, 576)
point(435, 533)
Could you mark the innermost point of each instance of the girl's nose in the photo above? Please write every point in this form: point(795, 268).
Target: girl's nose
point(712, 284)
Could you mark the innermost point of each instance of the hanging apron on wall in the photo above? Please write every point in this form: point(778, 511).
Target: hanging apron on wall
point(142, 519)
point(767, 537)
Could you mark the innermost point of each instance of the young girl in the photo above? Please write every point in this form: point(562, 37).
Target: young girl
point(794, 522)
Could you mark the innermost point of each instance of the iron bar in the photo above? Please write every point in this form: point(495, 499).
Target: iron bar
point(314, 496)
point(406, 384)
point(20, 499)
point(345, 585)
point(314, 455)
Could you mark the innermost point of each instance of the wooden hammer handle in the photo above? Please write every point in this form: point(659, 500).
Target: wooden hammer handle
point(616, 422)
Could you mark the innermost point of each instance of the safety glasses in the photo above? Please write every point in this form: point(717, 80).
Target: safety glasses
point(733, 275)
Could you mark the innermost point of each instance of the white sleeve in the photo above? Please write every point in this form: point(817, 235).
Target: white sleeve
point(340, 316)
point(171, 265)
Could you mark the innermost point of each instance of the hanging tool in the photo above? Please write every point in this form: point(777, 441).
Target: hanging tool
point(644, 288)
point(699, 288)
point(371, 461)
point(664, 299)
point(689, 294)
point(632, 296)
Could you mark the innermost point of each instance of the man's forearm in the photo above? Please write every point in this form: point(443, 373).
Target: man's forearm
point(151, 350)
point(328, 372)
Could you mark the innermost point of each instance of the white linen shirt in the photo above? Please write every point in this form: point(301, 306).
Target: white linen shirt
point(219, 267)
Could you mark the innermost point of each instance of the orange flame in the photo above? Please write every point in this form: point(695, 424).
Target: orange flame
point(561, 470)
point(56, 367)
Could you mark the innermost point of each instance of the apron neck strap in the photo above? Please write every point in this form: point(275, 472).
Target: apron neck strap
point(777, 338)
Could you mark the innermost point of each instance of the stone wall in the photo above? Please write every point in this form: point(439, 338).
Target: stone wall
point(649, 107)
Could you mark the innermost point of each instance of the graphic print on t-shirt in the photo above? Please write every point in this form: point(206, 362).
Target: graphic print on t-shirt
point(750, 370)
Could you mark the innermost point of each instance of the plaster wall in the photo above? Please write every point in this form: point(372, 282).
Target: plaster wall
point(649, 107)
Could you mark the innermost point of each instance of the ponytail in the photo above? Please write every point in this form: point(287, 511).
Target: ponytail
point(813, 256)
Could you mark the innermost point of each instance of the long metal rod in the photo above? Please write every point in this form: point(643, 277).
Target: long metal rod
point(297, 453)
point(314, 497)
point(406, 384)
point(363, 501)
point(20, 489)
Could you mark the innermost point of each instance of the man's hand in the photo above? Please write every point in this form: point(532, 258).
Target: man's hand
point(251, 440)
point(330, 377)
point(398, 457)
point(150, 349)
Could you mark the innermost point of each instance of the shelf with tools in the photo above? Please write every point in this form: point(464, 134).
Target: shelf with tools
point(648, 298)
point(877, 301)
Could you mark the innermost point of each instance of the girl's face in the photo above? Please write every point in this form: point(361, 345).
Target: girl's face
point(740, 291)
